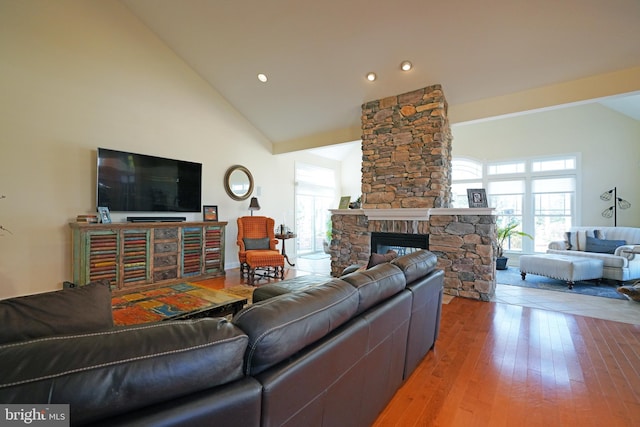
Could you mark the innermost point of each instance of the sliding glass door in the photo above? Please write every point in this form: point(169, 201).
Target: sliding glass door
point(315, 195)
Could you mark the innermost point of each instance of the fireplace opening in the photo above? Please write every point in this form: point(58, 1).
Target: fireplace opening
point(402, 243)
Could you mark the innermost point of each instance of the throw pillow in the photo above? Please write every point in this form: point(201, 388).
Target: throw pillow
point(603, 246)
point(256, 244)
point(577, 240)
point(69, 311)
point(376, 259)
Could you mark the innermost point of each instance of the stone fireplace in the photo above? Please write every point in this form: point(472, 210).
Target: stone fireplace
point(406, 190)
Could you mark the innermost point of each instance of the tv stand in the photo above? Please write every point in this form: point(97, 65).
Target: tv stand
point(135, 256)
point(156, 219)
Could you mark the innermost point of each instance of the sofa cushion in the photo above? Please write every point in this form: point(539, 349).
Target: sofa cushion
point(575, 240)
point(416, 264)
point(280, 327)
point(376, 284)
point(122, 369)
point(68, 311)
point(256, 244)
point(603, 246)
point(295, 284)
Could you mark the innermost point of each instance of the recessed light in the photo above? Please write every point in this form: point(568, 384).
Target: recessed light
point(371, 76)
point(405, 66)
point(262, 77)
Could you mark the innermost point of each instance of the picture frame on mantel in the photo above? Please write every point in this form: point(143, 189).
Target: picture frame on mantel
point(477, 198)
point(210, 213)
point(344, 202)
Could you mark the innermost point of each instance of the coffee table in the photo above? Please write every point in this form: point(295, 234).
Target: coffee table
point(173, 302)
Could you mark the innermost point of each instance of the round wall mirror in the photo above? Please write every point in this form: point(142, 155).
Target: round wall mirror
point(238, 182)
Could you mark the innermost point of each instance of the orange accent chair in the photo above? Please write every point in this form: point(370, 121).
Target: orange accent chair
point(257, 248)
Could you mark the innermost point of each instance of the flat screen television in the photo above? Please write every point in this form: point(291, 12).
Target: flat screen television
point(129, 182)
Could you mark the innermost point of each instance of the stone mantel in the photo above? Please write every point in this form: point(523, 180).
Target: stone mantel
point(411, 214)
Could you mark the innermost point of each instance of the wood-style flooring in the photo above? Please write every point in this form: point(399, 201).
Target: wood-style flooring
point(497, 364)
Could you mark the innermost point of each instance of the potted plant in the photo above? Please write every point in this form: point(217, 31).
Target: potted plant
point(326, 242)
point(505, 233)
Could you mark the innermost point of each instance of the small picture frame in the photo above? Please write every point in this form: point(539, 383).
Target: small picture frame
point(209, 213)
point(344, 202)
point(104, 214)
point(477, 198)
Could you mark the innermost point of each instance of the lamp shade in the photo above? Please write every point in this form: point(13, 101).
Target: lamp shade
point(254, 205)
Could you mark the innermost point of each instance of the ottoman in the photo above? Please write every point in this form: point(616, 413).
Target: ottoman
point(561, 267)
point(270, 262)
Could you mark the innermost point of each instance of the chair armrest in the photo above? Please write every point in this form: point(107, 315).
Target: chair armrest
point(559, 245)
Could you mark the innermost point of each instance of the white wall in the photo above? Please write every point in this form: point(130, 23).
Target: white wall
point(76, 75)
point(352, 172)
point(608, 142)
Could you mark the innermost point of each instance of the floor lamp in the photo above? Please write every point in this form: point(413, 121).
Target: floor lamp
point(612, 211)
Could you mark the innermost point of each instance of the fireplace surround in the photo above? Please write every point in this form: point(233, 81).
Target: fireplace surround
point(406, 190)
point(462, 239)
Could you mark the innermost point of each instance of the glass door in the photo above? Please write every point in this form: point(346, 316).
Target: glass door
point(315, 195)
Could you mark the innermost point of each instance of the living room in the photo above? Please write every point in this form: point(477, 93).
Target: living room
point(77, 75)
point(86, 75)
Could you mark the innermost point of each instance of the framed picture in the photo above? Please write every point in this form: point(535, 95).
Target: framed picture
point(103, 213)
point(209, 213)
point(344, 202)
point(477, 198)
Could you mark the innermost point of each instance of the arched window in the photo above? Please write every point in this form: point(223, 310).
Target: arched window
point(465, 173)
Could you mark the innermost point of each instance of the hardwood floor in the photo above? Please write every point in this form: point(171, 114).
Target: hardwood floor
point(497, 364)
point(505, 365)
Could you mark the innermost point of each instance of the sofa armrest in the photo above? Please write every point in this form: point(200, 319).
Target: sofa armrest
point(559, 245)
point(628, 251)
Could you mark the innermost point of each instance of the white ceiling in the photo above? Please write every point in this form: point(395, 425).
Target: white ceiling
point(316, 54)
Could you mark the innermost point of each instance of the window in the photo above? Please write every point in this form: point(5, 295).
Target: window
point(553, 205)
point(467, 174)
point(538, 193)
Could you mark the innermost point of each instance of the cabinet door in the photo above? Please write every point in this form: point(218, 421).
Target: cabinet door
point(135, 257)
point(102, 255)
point(191, 251)
point(214, 249)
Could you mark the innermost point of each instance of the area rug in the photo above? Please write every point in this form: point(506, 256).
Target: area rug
point(511, 276)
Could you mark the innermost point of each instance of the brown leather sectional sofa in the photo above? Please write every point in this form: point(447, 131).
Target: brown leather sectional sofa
point(330, 354)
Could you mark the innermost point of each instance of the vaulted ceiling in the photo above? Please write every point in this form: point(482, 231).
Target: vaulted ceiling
point(316, 54)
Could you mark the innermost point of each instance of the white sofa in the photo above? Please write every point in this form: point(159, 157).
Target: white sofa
point(622, 265)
